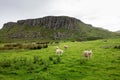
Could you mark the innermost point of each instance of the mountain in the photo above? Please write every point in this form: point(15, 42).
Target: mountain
point(52, 28)
point(118, 31)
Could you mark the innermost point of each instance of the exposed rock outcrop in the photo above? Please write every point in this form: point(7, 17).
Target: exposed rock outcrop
point(52, 28)
point(118, 31)
point(9, 24)
point(54, 22)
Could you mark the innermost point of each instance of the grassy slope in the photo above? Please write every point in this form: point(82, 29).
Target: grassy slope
point(104, 64)
point(27, 33)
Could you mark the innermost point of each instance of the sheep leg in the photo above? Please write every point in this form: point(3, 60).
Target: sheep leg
point(88, 57)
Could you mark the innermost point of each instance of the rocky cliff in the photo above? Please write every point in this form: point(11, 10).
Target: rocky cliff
point(52, 28)
point(51, 22)
point(118, 31)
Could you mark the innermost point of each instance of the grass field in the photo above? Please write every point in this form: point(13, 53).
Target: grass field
point(44, 64)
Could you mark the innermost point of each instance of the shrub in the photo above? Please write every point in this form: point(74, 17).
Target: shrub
point(13, 46)
point(82, 61)
point(22, 61)
point(41, 62)
point(45, 66)
point(30, 69)
point(117, 46)
point(54, 62)
point(35, 59)
point(32, 46)
point(51, 58)
point(5, 63)
point(58, 59)
point(19, 62)
point(45, 46)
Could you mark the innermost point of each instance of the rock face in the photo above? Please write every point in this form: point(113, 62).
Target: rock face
point(51, 28)
point(46, 27)
point(118, 31)
point(54, 22)
point(9, 24)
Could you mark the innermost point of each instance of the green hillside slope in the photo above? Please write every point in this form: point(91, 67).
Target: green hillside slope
point(52, 28)
point(44, 64)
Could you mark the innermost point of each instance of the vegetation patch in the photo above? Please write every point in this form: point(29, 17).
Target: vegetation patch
point(32, 46)
point(117, 46)
point(44, 64)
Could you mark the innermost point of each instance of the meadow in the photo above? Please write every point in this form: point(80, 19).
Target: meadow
point(44, 64)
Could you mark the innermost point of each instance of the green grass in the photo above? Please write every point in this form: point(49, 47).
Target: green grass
point(78, 32)
point(44, 64)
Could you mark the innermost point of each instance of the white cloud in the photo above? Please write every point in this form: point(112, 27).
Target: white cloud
point(99, 13)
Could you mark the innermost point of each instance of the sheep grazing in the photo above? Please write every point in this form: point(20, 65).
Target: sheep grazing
point(65, 46)
point(59, 51)
point(87, 54)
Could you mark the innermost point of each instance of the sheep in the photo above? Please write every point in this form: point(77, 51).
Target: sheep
point(59, 51)
point(65, 46)
point(87, 54)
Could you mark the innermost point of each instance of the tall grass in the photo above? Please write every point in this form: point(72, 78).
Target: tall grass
point(32, 46)
point(44, 64)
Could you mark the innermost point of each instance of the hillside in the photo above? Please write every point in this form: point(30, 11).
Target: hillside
point(44, 64)
point(118, 31)
point(52, 28)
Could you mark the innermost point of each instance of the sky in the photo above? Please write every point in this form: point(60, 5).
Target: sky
point(99, 13)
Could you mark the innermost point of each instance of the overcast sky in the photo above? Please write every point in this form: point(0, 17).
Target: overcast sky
point(99, 13)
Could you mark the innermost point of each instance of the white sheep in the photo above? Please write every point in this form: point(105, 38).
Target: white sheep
point(87, 54)
point(59, 51)
point(65, 46)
